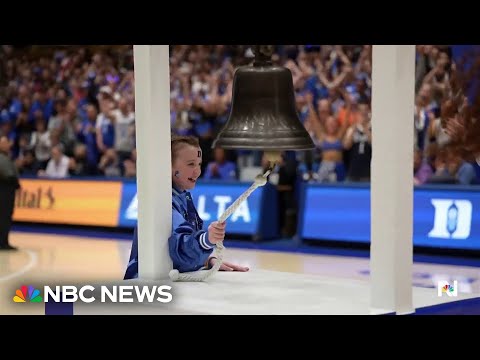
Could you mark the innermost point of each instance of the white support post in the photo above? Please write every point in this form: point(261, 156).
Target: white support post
point(391, 251)
point(154, 180)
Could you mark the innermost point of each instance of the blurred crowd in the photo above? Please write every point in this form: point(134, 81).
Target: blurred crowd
point(69, 110)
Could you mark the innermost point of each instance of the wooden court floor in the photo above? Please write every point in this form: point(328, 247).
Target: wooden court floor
point(46, 259)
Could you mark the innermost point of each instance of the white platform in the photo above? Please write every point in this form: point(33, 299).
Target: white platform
point(261, 292)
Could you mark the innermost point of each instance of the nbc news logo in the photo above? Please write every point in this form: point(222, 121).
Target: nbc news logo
point(443, 287)
point(70, 294)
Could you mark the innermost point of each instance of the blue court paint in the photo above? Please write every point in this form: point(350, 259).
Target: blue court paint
point(461, 307)
point(58, 308)
point(119, 234)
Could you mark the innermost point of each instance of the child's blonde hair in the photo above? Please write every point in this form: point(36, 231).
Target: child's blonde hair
point(180, 141)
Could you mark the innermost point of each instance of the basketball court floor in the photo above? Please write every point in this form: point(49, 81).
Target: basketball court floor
point(278, 282)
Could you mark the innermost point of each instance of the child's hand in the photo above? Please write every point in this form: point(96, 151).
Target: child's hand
point(216, 232)
point(227, 266)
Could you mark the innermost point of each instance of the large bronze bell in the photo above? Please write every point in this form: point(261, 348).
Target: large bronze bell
point(263, 114)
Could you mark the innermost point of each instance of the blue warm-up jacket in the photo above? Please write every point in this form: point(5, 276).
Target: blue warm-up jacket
point(188, 244)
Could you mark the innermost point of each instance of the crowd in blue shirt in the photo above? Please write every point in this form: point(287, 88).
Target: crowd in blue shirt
point(80, 99)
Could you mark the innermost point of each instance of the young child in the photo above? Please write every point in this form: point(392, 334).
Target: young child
point(190, 246)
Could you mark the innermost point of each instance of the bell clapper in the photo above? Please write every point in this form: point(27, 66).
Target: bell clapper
point(273, 158)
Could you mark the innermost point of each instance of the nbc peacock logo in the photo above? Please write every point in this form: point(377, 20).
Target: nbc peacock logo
point(444, 287)
point(32, 295)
